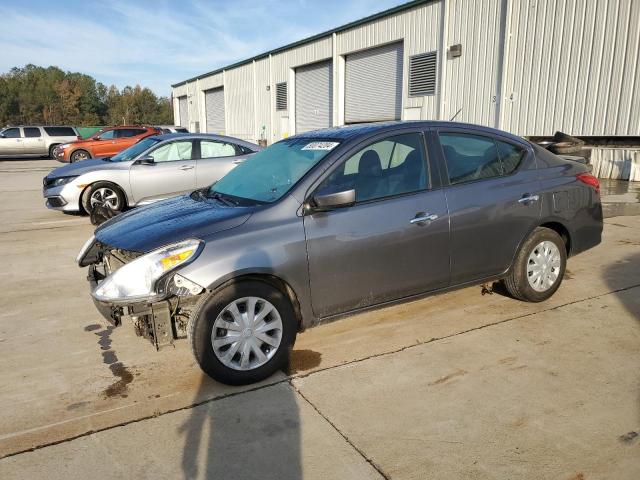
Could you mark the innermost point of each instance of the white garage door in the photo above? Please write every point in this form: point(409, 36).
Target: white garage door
point(214, 105)
point(373, 81)
point(184, 112)
point(314, 96)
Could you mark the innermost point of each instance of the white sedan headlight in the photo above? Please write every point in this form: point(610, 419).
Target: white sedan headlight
point(136, 280)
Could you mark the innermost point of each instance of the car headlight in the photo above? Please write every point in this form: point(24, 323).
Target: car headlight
point(62, 181)
point(136, 280)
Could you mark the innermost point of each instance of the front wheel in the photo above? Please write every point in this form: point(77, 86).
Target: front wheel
point(243, 333)
point(79, 155)
point(103, 194)
point(539, 266)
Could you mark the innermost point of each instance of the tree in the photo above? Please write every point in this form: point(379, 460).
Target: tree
point(37, 95)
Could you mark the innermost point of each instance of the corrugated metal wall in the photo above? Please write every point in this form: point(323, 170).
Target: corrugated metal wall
point(528, 66)
point(471, 81)
point(572, 65)
point(620, 163)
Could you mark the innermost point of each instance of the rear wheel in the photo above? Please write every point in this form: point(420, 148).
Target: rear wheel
point(243, 333)
point(539, 266)
point(79, 155)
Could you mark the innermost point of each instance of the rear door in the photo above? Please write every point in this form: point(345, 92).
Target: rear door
point(11, 142)
point(125, 137)
point(33, 143)
point(394, 242)
point(493, 200)
point(215, 160)
point(172, 172)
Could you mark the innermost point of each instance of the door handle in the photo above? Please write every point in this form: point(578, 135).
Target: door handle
point(529, 198)
point(186, 167)
point(423, 219)
point(239, 160)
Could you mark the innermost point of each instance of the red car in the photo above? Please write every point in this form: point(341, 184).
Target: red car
point(106, 143)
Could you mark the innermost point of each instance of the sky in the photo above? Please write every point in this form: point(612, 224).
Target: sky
point(156, 43)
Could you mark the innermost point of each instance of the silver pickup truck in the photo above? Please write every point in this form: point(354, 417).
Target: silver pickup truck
point(35, 140)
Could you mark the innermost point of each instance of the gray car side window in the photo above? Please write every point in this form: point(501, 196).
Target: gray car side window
point(470, 157)
point(511, 156)
point(171, 152)
point(11, 133)
point(214, 149)
point(389, 167)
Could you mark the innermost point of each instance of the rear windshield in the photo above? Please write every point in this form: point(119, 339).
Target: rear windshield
point(60, 131)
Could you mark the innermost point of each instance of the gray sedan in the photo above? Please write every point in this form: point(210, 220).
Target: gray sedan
point(156, 167)
point(335, 221)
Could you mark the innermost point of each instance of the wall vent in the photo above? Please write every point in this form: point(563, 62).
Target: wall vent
point(423, 71)
point(281, 96)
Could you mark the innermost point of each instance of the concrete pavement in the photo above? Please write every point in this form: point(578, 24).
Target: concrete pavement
point(451, 386)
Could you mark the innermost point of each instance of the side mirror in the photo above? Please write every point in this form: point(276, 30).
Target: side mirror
point(326, 200)
point(148, 160)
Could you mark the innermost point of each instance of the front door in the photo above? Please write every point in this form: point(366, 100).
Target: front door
point(493, 201)
point(105, 145)
point(171, 173)
point(216, 159)
point(11, 142)
point(394, 242)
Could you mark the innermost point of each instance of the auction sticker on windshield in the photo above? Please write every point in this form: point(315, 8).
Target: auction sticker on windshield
point(320, 146)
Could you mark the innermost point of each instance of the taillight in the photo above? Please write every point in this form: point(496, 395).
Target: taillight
point(589, 180)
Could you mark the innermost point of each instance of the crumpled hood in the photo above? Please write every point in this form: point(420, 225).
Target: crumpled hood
point(147, 228)
point(84, 166)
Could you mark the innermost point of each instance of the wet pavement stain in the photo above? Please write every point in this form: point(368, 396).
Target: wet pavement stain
point(629, 437)
point(77, 405)
point(109, 357)
point(446, 378)
point(92, 327)
point(301, 360)
point(120, 387)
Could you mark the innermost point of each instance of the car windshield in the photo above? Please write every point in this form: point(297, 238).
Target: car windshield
point(134, 150)
point(270, 173)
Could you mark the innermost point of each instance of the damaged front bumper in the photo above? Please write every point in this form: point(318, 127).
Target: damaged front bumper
point(160, 319)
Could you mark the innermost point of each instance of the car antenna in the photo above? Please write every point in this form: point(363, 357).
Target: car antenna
point(452, 118)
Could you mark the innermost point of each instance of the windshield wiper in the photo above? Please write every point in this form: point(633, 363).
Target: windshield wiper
point(227, 200)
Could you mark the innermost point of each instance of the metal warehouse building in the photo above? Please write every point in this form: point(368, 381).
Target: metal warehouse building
point(530, 67)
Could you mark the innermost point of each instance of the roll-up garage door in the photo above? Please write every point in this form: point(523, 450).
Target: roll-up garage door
point(314, 96)
point(214, 105)
point(374, 84)
point(183, 111)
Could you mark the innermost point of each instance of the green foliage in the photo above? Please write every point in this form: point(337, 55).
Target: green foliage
point(38, 95)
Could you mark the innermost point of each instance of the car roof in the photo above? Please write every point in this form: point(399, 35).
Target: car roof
point(208, 136)
point(346, 132)
point(39, 126)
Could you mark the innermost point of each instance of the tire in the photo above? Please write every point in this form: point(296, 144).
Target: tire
point(96, 193)
point(213, 307)
point(562, 149)
point(79, 155)
point(518, 282)
point(51, 148)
